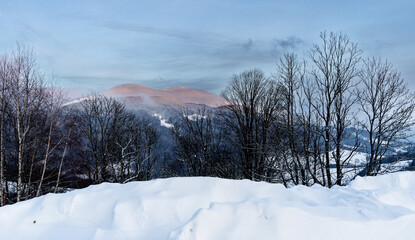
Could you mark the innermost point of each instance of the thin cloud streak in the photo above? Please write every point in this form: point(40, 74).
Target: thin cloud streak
point(179, 34)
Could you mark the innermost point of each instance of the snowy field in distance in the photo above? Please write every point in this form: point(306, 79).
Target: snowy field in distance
point(381, 207)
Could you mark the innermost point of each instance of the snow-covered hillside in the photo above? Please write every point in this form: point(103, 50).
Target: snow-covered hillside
point(380, 207)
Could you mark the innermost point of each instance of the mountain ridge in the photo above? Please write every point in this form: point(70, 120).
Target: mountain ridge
point(177, 95)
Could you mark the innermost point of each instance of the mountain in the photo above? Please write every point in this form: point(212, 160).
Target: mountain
point(178, 95)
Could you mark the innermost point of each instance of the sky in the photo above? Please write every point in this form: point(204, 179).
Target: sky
point(96, 45)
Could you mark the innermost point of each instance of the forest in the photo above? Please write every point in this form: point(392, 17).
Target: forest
point(302, 125)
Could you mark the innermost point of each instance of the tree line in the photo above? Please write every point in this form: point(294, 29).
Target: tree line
point(46, 146)
point(304, 124)
point(291, 128)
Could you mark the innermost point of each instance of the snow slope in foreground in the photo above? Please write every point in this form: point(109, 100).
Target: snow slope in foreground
point(380, 207)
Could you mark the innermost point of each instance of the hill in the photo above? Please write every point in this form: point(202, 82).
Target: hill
point(178, 95)
point(381, 207)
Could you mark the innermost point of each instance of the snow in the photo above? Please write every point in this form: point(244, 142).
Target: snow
point(381, 207)
point(163, 122)
point(78, 100)
point(399, 150)
point(194, 117)
point(356, 159)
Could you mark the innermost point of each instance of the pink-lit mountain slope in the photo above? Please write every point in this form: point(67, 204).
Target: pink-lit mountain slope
point(172, 96)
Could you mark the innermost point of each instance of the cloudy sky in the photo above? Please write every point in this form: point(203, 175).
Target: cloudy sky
point(95, 45)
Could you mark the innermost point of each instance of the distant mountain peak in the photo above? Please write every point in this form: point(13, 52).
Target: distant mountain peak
point(178, 95)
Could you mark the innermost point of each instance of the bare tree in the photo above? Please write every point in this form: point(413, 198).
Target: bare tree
point(53, 102)
point(67, 137)
point(311, 139)
point(128, 151)
point(150, 139)
point(387, 106)
point(195, 141)
point(290, 74)
point(335, 62)
point(134, 153)
point(252, 102)
point(115, 140)
point(99, 116)
point(26, 98)
point(5, 77)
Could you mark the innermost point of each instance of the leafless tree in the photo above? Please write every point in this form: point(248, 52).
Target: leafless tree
point(134, 152)
point(115, 139)
point(290, 74)
point(195, 140)
point(252, 102)
point(387, 106)
point(66, 139)
point(127, 152)
point(99, 117)
point(150, 138)
point(5, 77)
point(311, 139)
point(27, 97)
point(335, 73)
point(54, 101)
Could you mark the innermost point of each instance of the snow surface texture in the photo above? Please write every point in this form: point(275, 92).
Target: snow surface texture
point(163, 122)
point(380, 207)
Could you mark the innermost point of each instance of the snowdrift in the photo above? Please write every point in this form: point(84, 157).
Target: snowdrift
point(380, 207)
